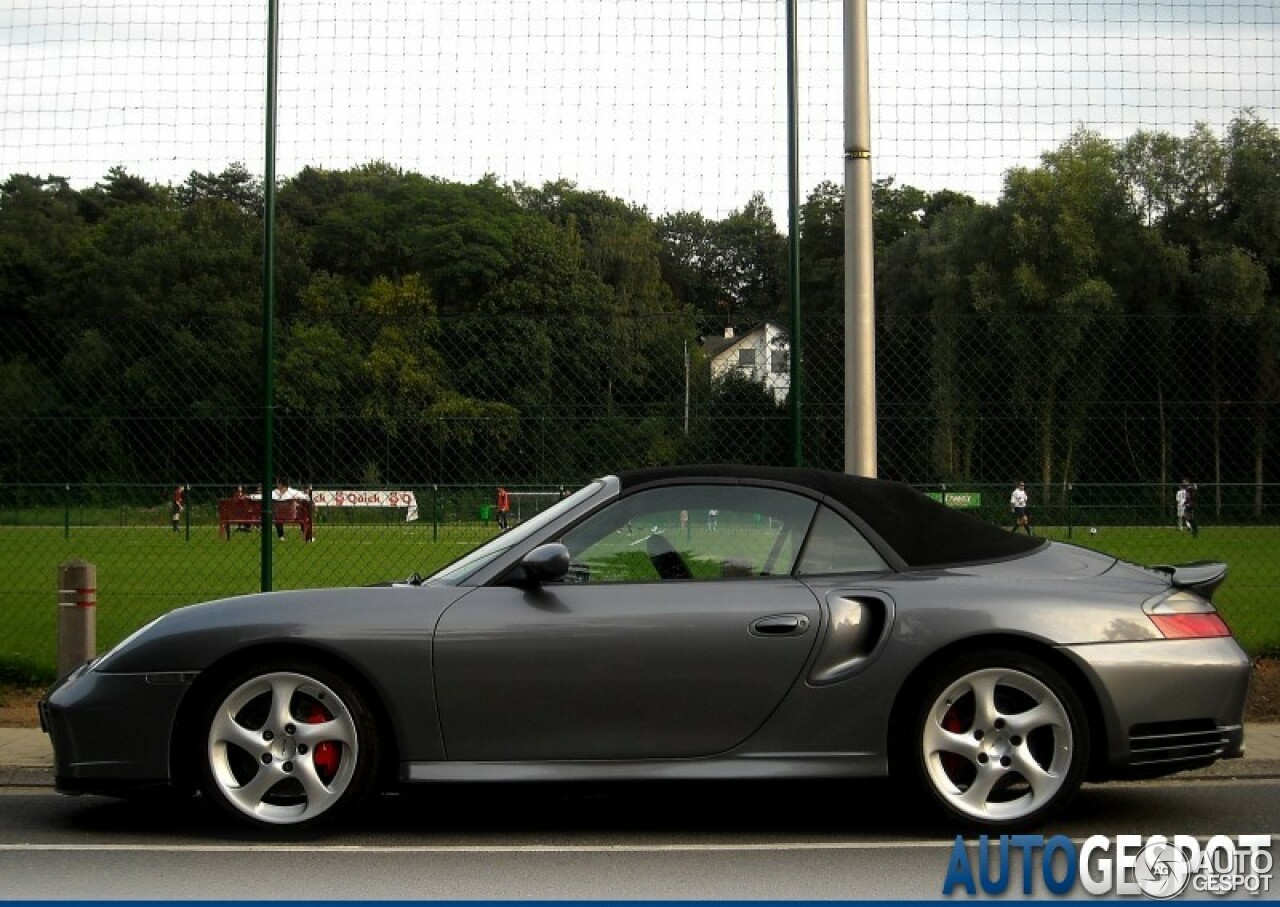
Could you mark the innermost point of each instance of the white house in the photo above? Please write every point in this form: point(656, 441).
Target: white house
point(761, 354)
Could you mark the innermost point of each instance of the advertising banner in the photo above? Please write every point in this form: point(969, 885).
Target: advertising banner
point(403, 499)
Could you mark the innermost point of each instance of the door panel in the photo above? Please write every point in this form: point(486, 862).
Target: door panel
point(617, 670)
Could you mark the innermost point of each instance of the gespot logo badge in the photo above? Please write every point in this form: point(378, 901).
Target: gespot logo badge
point(1161, 870)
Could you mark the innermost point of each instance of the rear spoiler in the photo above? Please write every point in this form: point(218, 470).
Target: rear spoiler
point(1202, 577)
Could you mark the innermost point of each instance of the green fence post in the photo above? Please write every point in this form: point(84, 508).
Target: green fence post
point(66, 511)
point(1069, 515)
point(435, 515)
point(186, 511)
point(795, 401)
point(269, 298)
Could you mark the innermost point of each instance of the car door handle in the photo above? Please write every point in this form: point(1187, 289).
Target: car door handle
point(780, 625)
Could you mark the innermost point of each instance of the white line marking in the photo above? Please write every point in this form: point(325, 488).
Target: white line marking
point(477, 848)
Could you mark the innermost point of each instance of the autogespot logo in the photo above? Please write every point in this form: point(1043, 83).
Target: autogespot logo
point(1161, 870)
point(1158, 867)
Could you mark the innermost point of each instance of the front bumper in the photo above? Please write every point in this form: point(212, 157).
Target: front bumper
point(1167, 704)
point(112, 732)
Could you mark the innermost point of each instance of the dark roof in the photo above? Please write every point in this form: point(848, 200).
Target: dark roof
point(923, 532)
point(715, 345)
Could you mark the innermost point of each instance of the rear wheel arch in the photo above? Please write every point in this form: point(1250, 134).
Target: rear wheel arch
point(908, 699)
point(188, 732)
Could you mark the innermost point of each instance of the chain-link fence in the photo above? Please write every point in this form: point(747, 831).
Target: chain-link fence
point(549, 400)
point(404, 486)
point(513, 239)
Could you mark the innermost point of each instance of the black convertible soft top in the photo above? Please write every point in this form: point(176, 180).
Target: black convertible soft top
point(923, 532)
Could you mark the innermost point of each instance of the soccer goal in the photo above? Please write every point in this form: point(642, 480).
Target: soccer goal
point(527, 504)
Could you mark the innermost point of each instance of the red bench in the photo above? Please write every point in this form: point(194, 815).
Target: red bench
point(233, 512)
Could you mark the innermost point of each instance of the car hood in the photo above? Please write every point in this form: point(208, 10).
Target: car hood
point(193, 637)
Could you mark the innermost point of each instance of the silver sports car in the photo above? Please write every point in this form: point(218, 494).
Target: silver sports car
point(682, 623)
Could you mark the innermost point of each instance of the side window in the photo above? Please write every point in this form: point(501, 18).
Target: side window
point(834, 546)
point(690, 532)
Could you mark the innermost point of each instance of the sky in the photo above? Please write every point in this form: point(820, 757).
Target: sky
point(669, 104)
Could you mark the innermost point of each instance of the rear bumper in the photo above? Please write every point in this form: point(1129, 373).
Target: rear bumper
point(111, 733)
point(1167, 704)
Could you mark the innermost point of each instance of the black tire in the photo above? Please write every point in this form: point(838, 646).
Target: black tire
point(287, 745)
point(999, 740)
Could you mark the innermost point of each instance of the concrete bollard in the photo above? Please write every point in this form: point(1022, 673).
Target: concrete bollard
point(77, 615)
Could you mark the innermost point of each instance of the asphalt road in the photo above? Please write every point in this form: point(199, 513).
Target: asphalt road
point(778, 841)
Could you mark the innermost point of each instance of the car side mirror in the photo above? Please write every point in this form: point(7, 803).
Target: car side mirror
point(546, 563)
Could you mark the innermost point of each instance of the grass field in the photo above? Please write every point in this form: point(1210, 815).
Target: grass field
point(146, 571)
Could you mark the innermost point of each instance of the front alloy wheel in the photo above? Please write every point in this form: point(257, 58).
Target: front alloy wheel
point(288, 746)
point(1002, 741)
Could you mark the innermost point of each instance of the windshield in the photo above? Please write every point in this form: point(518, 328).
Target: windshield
point(457, 573)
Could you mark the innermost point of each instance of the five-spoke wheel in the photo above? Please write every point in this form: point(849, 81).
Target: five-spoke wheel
point(286, 746)
point(1001, 740)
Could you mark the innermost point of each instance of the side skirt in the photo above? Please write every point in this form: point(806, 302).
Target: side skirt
point(766, 766)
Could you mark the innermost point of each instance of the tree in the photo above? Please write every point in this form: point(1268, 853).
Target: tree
point(895, 212)
point(1065, 230)
point(928, 283)
point(732, 272)
point(1251, 209)
point(905, 220)
point(41, 226)
point(636, 327)
point(688, 258)
point(234, 184)
point(743, 424)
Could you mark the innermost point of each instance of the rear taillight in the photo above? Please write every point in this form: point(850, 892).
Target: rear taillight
point(1190, 626)
point(1182, 614)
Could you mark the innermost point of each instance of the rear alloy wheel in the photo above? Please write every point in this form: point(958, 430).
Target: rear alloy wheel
point(1001, 741)
point(288, 746)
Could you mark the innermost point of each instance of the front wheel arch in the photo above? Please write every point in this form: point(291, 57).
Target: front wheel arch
point(186, 744)
point(287, 744)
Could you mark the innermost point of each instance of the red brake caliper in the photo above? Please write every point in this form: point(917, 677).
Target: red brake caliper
point(326, 755)
point(953, 763)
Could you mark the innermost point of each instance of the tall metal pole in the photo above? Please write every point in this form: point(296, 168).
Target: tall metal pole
point(793, 228)
point(269, 298)
point(859, 292)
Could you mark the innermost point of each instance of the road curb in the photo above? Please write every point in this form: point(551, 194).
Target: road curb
point(26, 776)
